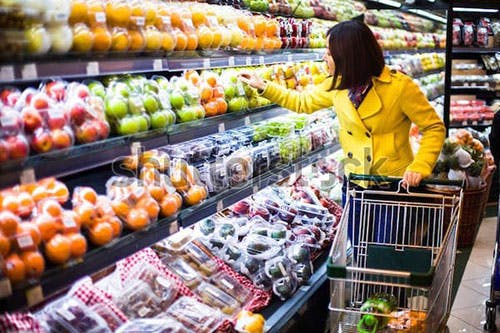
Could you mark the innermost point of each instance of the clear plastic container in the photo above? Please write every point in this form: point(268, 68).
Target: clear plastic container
point(239, 167)
point(111, 319)
point(261, 247)
point(276, 231)
point(260, 157)
point(289, 149)
point(195, 316)
point(159, 283)
point(206, 227)
point(214, 297)
point(285, 287)
point(153, 325)
point(222, 143)
point(231, 286)
point(71, 315)
point(197, 256)
point(175, 243)
point(139, 301)
point(279, 128)
point(278, 267)
point(183, 270)
point(214, 175)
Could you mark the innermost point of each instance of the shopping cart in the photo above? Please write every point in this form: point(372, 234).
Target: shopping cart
point(403, 249)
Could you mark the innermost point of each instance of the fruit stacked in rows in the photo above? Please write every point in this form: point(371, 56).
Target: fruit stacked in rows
point(186, 180)
point(211, 92)
point(234, 91)
point(299, 76)
point(294, 33)
point(136, 104)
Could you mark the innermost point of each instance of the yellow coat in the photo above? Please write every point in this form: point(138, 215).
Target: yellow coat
point(375, 137)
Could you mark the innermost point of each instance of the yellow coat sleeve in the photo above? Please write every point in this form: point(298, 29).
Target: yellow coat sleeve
point(416, 107)
point(302, 102)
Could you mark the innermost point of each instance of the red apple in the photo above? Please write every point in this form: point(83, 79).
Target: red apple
point(82, 91)
point(78, 112)
point(9, 97)
point(10, 122)
point(4, 151)
point(56, 118)
point(102, 129)
point(86, 133)
point(27, 96)
point(41, 141)
point(61, 138)
point(40, 101)
point(56, 90)
point(32, 119)
point(18, 147)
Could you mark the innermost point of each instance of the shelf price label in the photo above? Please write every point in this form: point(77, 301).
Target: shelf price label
point(27, 176)
point(34, 295)
point(247, 120)
point(93, 68)
point(220, 205)
point(262, 60)
point(231, 62)
point(7, 73)
point(289, 58)
point(5, 288)
point(255, 189)
point(248, 61)
point(158, 65)
point(173, 228)
point(29, 72)
point(206, 63)
point(222, 127)
point(135, 148)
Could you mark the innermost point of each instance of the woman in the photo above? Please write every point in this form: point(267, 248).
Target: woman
point(375, 107)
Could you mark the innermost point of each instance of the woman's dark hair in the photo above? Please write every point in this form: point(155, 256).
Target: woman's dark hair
point(356, 54)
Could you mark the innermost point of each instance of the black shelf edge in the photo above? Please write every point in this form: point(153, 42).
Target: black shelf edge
point(412, 51)
point(490, 4)
point(424, 74)
point(474, 91)
point(472, 52)
point(85, 157)
point(278, 314)
point(61, 278)
point(473, 125)
point(77, 66)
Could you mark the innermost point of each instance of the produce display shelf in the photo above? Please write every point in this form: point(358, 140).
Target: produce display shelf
point(472, 124)
point(434, 5)
point(59, 278)
point(84, 157)
point(424, 74)
point(472, 52)
point(26, 70)
point(471, 90)
point(279, 313)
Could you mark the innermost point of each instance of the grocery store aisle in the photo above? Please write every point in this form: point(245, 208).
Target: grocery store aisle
point(467, 313)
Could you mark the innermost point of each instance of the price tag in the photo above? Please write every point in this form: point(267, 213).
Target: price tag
point(8, 121)
point(248, 61)
point(206, 63)
point(69, 222)
point(25, 242)
point(220, 205)
point(143, 312)
point(93, 68)
point(222, 127)
point(464, 123)
point(289, 58)
point(135, 148)
point(7, 73)
point(34, 295)
point(60, 17)
point(66, 314)
point(231, 62)
point(166, 20)
point(227, 284)
point(27, 176)
point(255, 189)
point(474, 123)
point(140, 21)
point(5, 288)
point(157, 65)
point(100, 17)
point(247, 120)
point(174, 227)
point(262, 61)
point(213, 21)
point(29, 72)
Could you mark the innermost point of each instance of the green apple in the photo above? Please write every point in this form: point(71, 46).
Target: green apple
point(162, 119)
point(163, 83)
point(177, 100)
point(186, 114)
point(143, 121)
point(253, 103)
point(38, 40)
point(151, 86)
point(61, 37)
point(164, 99)
point(192, 97)
point(199, 111)
point(237, 104)
point(230, 91)
point(116, 107)
point(151, 103)
point(121, 88)
point(97, 89)
point(129, 125)
point(136, 104)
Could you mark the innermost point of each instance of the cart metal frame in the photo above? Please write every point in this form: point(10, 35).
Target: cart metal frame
point(406, 246)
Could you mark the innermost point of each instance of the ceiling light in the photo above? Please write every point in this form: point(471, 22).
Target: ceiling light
point(478, 10)
point(391, 3)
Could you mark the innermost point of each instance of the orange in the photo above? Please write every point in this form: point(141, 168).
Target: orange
point(211, 79)
point(192, 76)
point(31, 229)
point(118, 12)
point(10, 203)
point(8, 223)
point(137, 219)
point(211, 109)
point(195, 195)
point(4, 245)
point(260, 26)
point(39, 193)
point(150, 12)
point(221, 105)
point(78, 245)
point(268, 43)
point(88, 194)
point(259, 45)
point(271, 28)
point(26, 204)
point(58, 249)
point(179, 180)
point(78, 11)
point(116, 225)
point(199, 17)
point(136, 8)
point(153, 38)
point(83, 38)
point(176, 18)
point(137, 41)
point(15, 268)
point(59, 192)
point(192, 41)
point(34, 263)
point(69, 223)
point(95, 7)
point(47, 226)
point(169, 41)
point(150, 206)
point(205, 38)
point(157, 192)
point(149, 175)
point(169, 206)
point(182, 41)
point(102, 38)
point(86, 213)
point(120, 39)
point(101, 233)
point(206, 93)
point(120, 208)
point(218, 92)
point(51, 207)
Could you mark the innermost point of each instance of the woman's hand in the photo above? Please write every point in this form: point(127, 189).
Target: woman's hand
point(252, 80)
point(411, 178)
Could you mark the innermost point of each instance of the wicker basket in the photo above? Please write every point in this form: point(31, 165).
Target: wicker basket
point(473, 205)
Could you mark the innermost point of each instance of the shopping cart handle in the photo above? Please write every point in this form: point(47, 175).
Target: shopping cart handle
point(389, 179)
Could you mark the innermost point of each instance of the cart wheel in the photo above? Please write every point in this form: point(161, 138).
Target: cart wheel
point(491, 310)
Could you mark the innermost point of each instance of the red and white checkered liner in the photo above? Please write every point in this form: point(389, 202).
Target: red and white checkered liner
point(18, 322)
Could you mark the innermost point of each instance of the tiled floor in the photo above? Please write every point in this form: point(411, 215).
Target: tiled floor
point(468, 311)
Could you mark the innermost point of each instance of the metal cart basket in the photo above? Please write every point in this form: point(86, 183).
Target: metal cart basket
point(403, 249)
